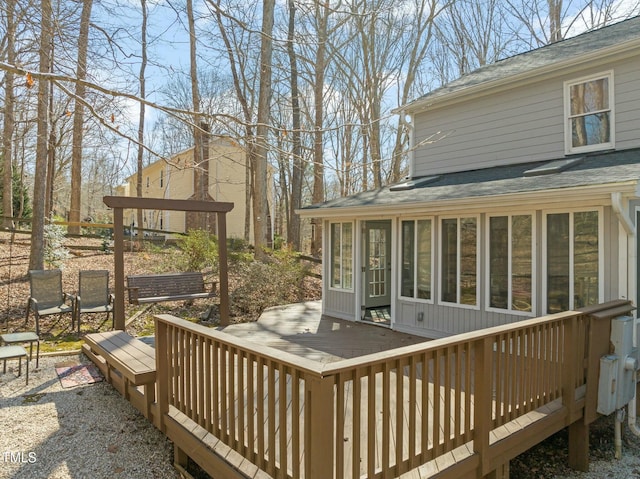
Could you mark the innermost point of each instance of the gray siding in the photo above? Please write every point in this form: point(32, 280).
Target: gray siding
point(339, 304)
point(519, 125)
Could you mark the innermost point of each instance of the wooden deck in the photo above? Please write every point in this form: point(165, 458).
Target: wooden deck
point(300, 329)
point(296, 396)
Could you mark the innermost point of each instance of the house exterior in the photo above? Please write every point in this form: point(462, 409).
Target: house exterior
point(523, 197)
point(176, 178)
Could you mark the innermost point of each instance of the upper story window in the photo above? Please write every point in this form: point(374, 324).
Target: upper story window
point(589, 111)
point(161, 178)
point(342, 255)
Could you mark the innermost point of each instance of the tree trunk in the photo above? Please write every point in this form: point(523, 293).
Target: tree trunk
point(78, 119)
point(142, 81)
point(36, 257)
point(293, 223)
point(199, 186)
point(260, 198)
point(322, 15)
point(9, 120)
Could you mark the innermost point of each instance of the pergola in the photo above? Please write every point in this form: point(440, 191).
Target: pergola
point(119, 203)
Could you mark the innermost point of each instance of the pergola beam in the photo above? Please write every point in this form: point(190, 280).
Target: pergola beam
point(119, 203)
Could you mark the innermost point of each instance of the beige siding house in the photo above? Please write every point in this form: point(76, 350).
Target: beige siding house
point(174, 178)
point(523, 197)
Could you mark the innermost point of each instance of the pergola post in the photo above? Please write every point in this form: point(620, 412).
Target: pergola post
point(119, 203)
point(118, 268)
point(223, 269)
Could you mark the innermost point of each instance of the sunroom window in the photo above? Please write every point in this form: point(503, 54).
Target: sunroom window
point(573, 260)
point(416, 259)
point(459, 261)
point(589, 110)
point(342, 255)
point(511, 262)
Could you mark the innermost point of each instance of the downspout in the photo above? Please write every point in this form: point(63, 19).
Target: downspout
point(630, 229)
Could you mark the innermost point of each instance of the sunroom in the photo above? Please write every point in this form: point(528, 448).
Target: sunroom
point(457, 252)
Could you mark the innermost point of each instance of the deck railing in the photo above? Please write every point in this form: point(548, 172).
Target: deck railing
point(375, 416)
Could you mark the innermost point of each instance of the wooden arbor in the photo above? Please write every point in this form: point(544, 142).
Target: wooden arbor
point(119, 203)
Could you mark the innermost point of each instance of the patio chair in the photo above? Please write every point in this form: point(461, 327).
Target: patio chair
point(14, 352)
point(93, 295)
point(47, 296)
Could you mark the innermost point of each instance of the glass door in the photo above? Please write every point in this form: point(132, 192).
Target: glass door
point(377, 263)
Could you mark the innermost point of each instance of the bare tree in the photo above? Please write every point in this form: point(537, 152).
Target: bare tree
point(540, 22)
point(78, 118)
point(260, 196)
point(293, 224)
point(36, 258)
point(9, 118)
point(322, 19)
point(142, 82)
point(236, 38)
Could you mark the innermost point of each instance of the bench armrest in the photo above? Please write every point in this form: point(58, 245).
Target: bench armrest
point(133, 294)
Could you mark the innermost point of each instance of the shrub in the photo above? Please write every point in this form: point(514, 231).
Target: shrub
point(54, 251)
point(199, 251)
point(277, 281)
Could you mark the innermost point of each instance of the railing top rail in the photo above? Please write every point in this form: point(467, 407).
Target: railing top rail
point(301, 364)
point(315, 368)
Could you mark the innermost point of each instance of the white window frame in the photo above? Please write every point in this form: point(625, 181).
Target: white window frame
point(571, 212)
point(458, 304)
point(568, 139)
point(534, 301)
point(330, 270)
point(415, 221)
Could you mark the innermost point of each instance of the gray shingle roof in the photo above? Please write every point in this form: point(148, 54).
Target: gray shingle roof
point(554, 53)
point(595, 169)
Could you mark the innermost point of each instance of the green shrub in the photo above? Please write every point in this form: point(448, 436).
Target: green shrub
point(199, 251)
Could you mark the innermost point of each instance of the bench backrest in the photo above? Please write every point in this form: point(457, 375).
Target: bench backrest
point(171, 284)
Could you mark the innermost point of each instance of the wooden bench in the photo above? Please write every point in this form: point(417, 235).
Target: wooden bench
point(154, 288)
point(128, 364)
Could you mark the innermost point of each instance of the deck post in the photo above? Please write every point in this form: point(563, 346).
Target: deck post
point(319, 435)
point(118, 268)
point(482, 390)
point(570, 364)
point(579, 446)
point(223, 269)
point(162, 373)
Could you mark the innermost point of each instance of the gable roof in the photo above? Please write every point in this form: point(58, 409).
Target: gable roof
point(617, 38)
point(476, 187)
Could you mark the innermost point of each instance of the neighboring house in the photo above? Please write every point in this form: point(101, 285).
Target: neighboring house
point(522, 200)
point(176, 178)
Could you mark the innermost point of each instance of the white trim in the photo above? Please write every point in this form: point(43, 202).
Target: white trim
point(569, 149)
point(571, 213)
point(457, 304)
point(534, 275)
point(330, 265)
point(358, 282)
point(398, 289)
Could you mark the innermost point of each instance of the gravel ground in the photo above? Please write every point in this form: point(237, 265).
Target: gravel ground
point(87, 431)
point(92, 432)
